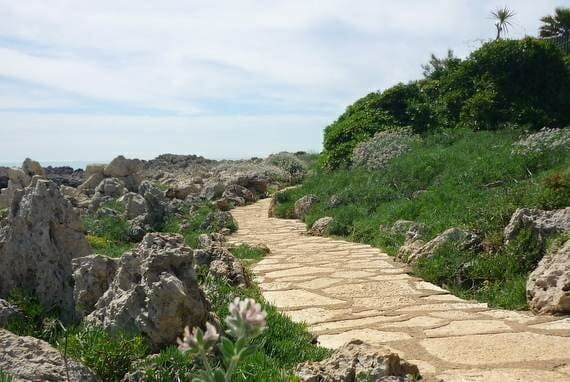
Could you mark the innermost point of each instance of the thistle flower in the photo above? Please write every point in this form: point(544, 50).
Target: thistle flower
point(246, 318)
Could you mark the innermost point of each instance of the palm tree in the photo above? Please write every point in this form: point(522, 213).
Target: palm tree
point(503, 17)
point(557, 24)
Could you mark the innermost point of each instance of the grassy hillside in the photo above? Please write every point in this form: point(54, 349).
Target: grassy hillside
point(449, 178)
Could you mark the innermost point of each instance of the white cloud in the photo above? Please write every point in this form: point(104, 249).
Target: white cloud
point(290, 63)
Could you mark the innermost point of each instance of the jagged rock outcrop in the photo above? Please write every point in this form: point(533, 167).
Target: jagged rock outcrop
point(92, 276)
point(414, 248)
point(321, 227)
point(217, 220)
point(9, 312)
point(358, 361)
point(544, 223)
point(31, 359)
point(37, 245)
point(32, 168)
point(65, 176)
point(219, 260)
point(304, 204)
point(212, 189)
point(156, 205)
point(238, 195)
point(548, 286)
point(135, 205)
point(122, 167)
point(154, 291)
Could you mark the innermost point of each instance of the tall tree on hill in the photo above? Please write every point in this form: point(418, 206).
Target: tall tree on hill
point(503, 17)
point(557, 24)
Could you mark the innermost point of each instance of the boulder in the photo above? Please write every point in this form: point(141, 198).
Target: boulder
point(544, 223)
point(335, 201)
point(91, 182)
point(548, 286)
point(31, 359)
point(92, 275)
point(135, 205)
point(122, 167)
point(41, 238)
point(304, 204)
point(183, 190)
point(65, 176)
point(256, 183)
point(215, 221)
point(410, 229)
point(156, 204)
point(219, 260)
point(239, 195)
point(212, 189)
point(357, 361)
point(9, 312)
point(111, 187)
point(92, 169)
point(415, 249)
point(154, 292)
point(321, 227)
point(32, 168)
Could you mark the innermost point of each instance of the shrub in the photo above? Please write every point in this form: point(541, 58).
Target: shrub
point(291, 164)
point(504, 83)
point(110, 356)
point(378, 151)
point(544, 140)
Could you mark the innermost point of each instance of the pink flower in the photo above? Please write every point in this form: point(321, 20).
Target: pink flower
point(196, 339)
point(246, 317)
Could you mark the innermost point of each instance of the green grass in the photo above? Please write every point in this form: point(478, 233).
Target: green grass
point(110, 356)
point(248, 254)
point(472, 180)
point(5, 377)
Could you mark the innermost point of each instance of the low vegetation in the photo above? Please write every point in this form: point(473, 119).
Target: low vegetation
point(450, 178)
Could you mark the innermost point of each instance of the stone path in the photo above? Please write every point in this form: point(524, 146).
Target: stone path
point(345, 290)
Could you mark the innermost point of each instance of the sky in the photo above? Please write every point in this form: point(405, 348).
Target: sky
point(84, 80)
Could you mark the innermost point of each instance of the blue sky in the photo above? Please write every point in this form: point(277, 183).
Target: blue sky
point(88, 80)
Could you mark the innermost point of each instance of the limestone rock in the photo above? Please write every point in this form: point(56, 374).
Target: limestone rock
point(239, 195)
point(31, 359)
point(154, 291)
point(9, 312)
point(92, 169)
point(357, 361)
point(219, 261)
point(321, 227)
point(42, 236)
point(156, 204)
point(217, 220)
point(183, 190)
point(122, 167)
point(92, 275)
point(411, 229)
point(548, 286)
point(304, 204)
point(135, 205)
point(32, 168)
point(335, 201)
point(212, 189)
point(542, 222)
point(91, 182)
point(111, 187)
point(415, 249)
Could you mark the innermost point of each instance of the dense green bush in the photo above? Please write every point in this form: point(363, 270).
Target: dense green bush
point(504, 83)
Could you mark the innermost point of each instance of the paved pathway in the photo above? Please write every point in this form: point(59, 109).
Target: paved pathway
point(345, 290)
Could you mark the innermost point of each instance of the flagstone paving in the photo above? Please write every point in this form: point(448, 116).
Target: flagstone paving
point(347, 291)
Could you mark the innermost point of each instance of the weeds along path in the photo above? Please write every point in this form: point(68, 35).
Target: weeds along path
point(345, 290)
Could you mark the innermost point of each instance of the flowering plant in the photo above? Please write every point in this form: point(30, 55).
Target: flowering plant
point(245, 322)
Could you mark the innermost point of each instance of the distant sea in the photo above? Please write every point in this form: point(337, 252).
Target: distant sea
point(75, 164)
